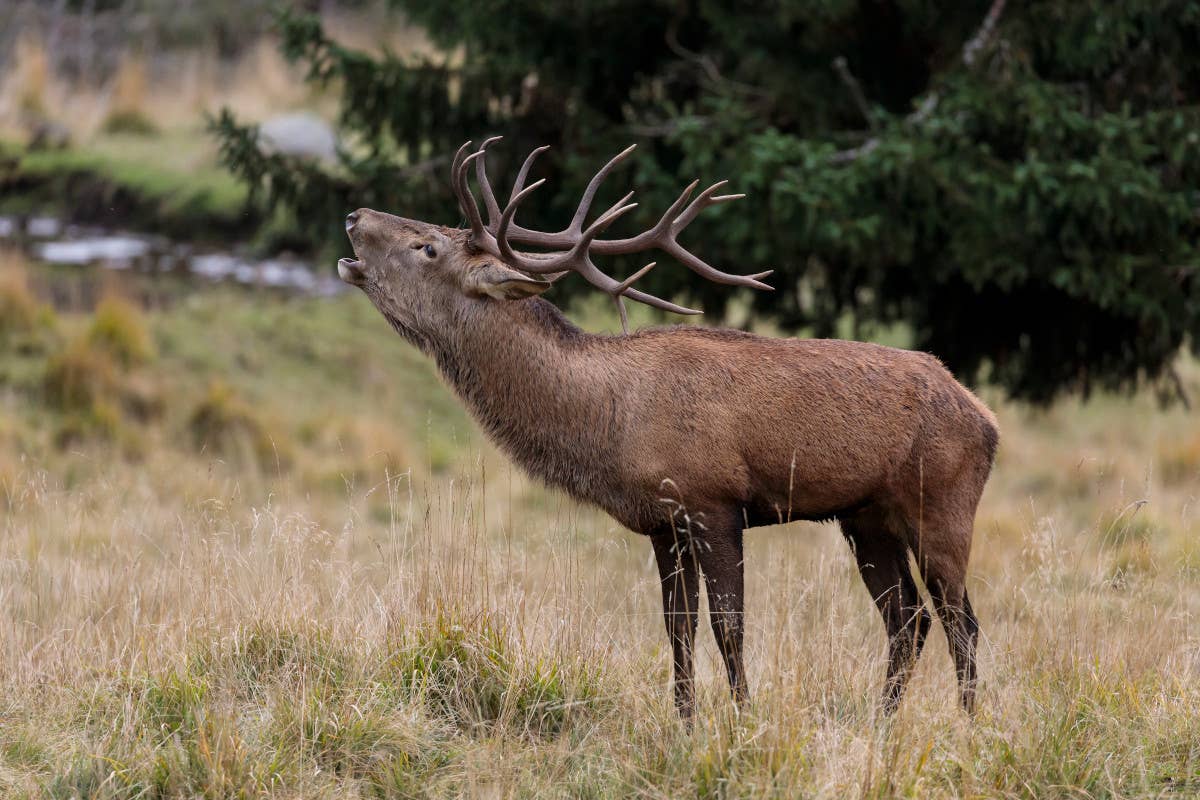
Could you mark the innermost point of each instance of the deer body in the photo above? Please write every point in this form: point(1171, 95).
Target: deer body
point(691, 435)
point(781, 429)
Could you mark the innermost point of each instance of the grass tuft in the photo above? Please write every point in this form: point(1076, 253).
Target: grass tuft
point(464, 672)
point(1179, 460)
point(1129, 525)
point(30, 75)
point(133, 123)
point(118, 328)
point(224, 424)
point(27, 326)
point(81, 377)
point(92, 380)
point(127, 113)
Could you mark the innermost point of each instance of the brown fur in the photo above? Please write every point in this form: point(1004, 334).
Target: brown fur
point(735, 430)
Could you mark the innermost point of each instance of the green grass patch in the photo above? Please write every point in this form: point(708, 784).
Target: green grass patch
point(466, 674)
point(128, 186)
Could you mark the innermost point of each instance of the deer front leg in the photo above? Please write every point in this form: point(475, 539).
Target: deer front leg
point(719, 551)
point(681, 594)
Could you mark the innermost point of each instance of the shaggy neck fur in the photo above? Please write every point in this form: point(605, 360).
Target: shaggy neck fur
point(521, 367)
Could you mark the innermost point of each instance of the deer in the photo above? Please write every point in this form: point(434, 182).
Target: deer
point(691, 435)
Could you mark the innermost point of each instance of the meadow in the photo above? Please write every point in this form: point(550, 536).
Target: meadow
point(251, 547)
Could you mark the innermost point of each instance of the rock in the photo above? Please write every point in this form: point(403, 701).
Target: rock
point(302, 134)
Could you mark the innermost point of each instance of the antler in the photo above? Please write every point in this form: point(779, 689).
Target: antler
point(574, 245)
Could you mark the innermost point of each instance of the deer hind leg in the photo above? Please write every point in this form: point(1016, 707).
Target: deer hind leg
point(883, 564)
point(719, 550)
point(678, 573)
point(942, 546)
point(945, 578)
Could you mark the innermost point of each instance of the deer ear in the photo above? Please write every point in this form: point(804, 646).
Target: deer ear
point(504, 283)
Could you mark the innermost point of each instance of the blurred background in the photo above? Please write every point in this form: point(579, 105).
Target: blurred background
point(1014, 188)
point(216, 462)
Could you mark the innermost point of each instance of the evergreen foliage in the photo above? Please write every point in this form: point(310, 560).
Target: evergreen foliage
point(1025, 198)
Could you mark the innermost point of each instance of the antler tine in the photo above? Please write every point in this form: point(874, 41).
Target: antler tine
point(485, 187)
point(567, 237)
point(576, 259)
point(663, 237)
point(692, 262)
point(625, 284)
point(458, 156)
point(479, 233)
point(519, 184)
point(570, 259)
point(510, 211)
point(702, 201)
point(669, 215)
point(617, 204)
point(454, 172)
point(594, 185)
point(574, 245)
point(647, 239)
point(658, 302)
point(610, 286)
point(606, 219)
point(618, 293)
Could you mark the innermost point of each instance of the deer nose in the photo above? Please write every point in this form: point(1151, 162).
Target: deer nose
point(351, 220)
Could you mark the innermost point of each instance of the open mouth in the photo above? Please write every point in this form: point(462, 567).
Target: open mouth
point(350, 270)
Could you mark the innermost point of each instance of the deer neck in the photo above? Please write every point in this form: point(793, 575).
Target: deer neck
point(537, 385)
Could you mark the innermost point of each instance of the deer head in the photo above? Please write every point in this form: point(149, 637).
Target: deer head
point(422, 276)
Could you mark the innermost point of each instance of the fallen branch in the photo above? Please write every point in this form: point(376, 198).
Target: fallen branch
point(1181, 392)
point(983, 36)
point(970, 53)
point(843, 70)
point(708, 66)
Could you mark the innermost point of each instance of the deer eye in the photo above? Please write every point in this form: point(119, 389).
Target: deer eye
point(429, 251)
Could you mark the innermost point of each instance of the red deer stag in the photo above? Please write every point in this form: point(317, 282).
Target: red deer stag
point(744, 430)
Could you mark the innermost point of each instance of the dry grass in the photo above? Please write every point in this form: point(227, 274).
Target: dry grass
point(127, 105)
point(29, 77)
point(171, 99)
point(26, 324)
point(171, 95)
point(369, 623)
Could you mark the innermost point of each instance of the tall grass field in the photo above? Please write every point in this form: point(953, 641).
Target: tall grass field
point(251, 547)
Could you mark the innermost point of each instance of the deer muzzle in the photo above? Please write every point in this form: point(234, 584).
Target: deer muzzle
point(351, 271)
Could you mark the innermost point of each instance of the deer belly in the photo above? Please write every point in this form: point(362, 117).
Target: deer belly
point(810, 476)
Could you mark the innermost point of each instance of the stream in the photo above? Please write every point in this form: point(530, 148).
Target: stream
point(79, 262)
